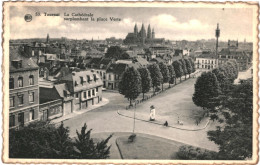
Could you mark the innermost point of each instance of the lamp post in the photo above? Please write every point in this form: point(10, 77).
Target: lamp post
point(134, 119)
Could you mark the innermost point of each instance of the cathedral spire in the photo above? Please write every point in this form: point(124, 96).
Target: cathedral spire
point(135, 30)
point(149, 33)
point(153, 34)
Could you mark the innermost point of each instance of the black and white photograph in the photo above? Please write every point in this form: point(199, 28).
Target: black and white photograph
point(130, 82)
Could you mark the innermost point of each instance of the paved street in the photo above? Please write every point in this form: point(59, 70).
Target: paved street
point(106, 119)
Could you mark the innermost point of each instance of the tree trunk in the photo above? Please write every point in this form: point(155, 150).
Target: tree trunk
point(185, 76)
point(180, 79)
point(130, 102)
point(153, 90)
point(189, 75)
point(143, 96)
point(169, 85)
point(175, 81)
point(162, 86)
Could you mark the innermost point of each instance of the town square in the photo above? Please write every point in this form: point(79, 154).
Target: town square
point(131, 83)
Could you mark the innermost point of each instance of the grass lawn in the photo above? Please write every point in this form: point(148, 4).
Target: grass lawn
point(147, 148)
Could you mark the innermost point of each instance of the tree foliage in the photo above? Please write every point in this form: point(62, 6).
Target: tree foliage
point(207, 91)
point(165, 73)
point(178, 69)
point(184, 68)
point(44, 140)
point(85, 148)
point(188, 66)
point(116, 52)
point(192, 65)
point(235, 138)
point(146, 79)
point(156, 75)
point(172, 75)
point(195, 153)
point(131, 84)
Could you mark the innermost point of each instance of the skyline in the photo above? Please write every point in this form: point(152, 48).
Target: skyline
point(169, 23)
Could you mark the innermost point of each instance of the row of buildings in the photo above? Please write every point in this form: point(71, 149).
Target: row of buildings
point(33, 98)
point(208, 60)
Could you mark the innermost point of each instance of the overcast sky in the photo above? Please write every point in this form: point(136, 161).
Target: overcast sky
point(169, 23)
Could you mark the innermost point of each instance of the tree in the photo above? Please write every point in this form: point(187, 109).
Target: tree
point(235, 137)
point(188, 66)
point(222, 79)
point(85, 148)
point(165, 73)
point(184, 69)
point(39, 140)
point(172, 75)
point(131, 84)
point(195, 153)
point(178, 69)
point(192, 65)
point(156, 75)
point(43, 140)
point(146, 80)
point(207, 91)
point(114, 52)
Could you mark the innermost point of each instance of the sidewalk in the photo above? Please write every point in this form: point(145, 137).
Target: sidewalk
point(76, 113)
point(158, 121)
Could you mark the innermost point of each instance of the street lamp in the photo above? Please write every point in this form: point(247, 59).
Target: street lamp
point(134, 118)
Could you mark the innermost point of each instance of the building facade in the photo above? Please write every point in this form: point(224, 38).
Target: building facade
point(23, 90)
point(206, 62)
point(243, 58)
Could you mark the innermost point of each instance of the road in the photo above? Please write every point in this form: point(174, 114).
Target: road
point(106, 119)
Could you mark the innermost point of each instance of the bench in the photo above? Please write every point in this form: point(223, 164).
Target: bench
point(131, 138)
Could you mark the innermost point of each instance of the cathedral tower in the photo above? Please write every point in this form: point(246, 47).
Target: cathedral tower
point(149, 33)
point(153, 34)
point(136, 30)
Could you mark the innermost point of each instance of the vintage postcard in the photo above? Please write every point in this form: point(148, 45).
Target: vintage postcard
point(130, 82)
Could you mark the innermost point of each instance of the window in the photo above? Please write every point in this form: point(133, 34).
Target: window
point(20, 82)
point(31, 97)
point(76, 83)
point(89, 94)
point(11, 83)
point(93, 92)
point(19, 64)
point(31, 80)
point(109, 77)
point(31, 115)
point(11, 101)
point(20, 100)
point(202, 66)
point(81, 80)
point(85, 95)
point(202, 61)
point(96, 89)
point(21, 118)
point(32, 52)
point(77, 95)
point(104, 76)
point(11, 120)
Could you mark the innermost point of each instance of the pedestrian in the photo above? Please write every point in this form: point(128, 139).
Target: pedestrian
point(166, 124)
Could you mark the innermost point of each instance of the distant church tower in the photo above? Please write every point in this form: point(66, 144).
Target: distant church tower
point(136, 30)
point(149, 33)
point(217, 36)
point(48, 38)
point(153, 34)
point(143, 34)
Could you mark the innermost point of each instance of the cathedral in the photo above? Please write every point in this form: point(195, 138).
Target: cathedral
point(142, 37)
